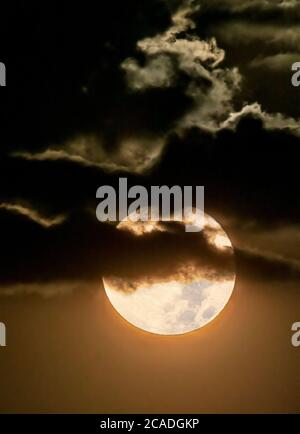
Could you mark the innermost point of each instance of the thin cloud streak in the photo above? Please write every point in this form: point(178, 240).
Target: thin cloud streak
point(33, 215)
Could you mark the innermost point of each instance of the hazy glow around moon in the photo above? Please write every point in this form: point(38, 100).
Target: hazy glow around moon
point(175, 307)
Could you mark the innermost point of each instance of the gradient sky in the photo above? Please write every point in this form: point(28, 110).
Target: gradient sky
point(162, 92)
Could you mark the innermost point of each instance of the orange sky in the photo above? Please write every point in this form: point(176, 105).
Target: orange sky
point(75, 354)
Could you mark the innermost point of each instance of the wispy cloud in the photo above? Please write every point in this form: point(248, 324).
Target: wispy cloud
point(33, 214)
point(133, 155)
point(270, 120)
point(179, 51)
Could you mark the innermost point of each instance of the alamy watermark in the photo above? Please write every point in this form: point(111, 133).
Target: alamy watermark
point(2, 74)
point(162, 203)
point(2, 335)
point(296, 74)
point(296, 335)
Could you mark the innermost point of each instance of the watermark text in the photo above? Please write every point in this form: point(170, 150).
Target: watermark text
point(161, 203)
point(2, 335)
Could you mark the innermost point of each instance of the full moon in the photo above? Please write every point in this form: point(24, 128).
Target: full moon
point(175, 306)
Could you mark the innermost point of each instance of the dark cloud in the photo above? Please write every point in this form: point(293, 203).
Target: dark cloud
point(84, 250)
point(249, 32)
point(266, 267)
point(138, 91)
point(107, 115)
point(63, 73)
point(277, 62)
point(287, 11)
point(233, 164)
point(249, 172)
point(240, 166)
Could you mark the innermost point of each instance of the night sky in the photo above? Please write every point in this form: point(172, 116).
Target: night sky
point(164, 93)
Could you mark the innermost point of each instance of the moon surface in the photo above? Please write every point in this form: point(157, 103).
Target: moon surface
point(174, 306)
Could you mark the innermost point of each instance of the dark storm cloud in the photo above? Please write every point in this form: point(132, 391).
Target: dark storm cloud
point(121, 107)
point(137, 89)
point(107, 114)
point(240, 166)
point(250, 174)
